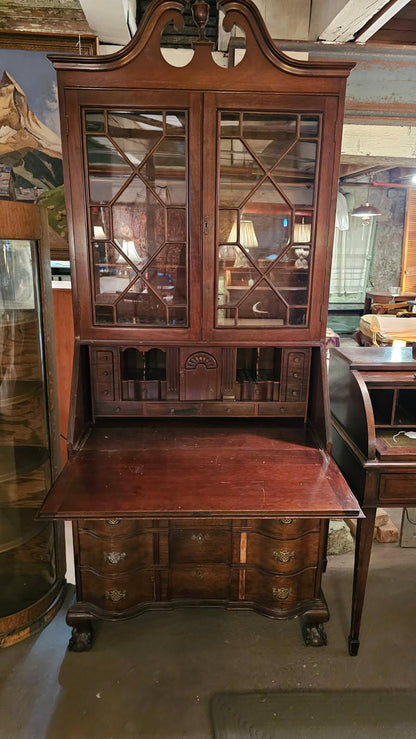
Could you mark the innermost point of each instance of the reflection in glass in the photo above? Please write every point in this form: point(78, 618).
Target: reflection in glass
point(269, 135)
point(309, 126)
point(298, 165)
point(230, 124)
point(94, 121)
point(176, 224)
point(27, 557)
point(266, 198)
point(135, 132)
point(271, 217)
point(112, 273)
point(165, 171)
point(138, 200)
point(239, 172)
point(100, 222)
point(141, 306)
point(138, 222)
point(167, 276)
point(175, 122)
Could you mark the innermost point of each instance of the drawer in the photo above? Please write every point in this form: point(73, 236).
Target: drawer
point(200, 581)
point(291, 556)
point(102, 356)
point(282, 409)
point(172, 409)
point(280, 592)
point(228, 409)
point(113, 527)
point(398, 488)
point(112, 555)
point(120, 408)
point(295, 362)
point(104, 391)
point(200, 545)
point(104, 373)
point(286, 527)
point(118, 593)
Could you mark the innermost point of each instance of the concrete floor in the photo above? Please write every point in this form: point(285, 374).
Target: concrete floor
point(155, 677)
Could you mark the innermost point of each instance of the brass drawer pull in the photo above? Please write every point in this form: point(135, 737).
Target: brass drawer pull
point(286, 521)
point(115, 595)
point(283, 556)
point(113, 521)
point(199, 538)
point(281, 593)
point(113, 558)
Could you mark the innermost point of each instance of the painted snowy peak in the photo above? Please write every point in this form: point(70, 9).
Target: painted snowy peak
point(19, 127)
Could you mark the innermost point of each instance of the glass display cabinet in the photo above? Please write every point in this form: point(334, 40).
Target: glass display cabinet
point(202, 207)
point(31, 559)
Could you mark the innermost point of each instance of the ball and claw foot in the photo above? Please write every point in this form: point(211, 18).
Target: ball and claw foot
point(314, 635)
point(81, 640)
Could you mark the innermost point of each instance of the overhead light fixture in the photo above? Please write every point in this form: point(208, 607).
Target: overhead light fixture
point(366, 211)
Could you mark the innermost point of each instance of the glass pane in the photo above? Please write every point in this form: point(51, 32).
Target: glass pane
point(299, 194)
point(107, 169)
point(175, 123)
point(269, 135)
point(103, 157)
point(297, 317)
point(138, 222)
point(295, 295)
point(27, 568)
point(141, 306)
point(112, 273)
point(165, 171)
point(227, 224)
point(239, 172)
point(302, 231)
point(309, 126)
point(298, 165)
point(95, 121)
point(176, 218)
point(100, 222)
point(177, 316)
point(230, 124)
point(292, 275)
point(167, 274)
point(135, 132)
point(270, 218)
point(262, 306)
point(104, 314)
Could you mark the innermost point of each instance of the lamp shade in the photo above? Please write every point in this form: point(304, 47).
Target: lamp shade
point(366, 211)
point(248, 236)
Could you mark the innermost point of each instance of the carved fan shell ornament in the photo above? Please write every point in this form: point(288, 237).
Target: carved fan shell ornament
point(201, 358)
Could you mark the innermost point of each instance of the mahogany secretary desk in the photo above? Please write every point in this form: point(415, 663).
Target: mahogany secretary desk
point(201, 204)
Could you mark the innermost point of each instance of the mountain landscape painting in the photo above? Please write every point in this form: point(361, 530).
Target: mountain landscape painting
point(30, 143)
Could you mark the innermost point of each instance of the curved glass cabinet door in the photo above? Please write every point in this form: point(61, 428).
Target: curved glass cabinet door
point(30, 572)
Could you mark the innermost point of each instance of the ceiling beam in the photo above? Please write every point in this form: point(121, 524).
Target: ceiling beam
point(379, 20)
point(338, 21)
point(114, 22)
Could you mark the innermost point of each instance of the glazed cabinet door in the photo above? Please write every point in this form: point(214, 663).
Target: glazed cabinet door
point(268, 182)
point(134, 174)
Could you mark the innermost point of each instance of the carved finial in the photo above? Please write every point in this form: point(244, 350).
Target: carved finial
point(200, 13)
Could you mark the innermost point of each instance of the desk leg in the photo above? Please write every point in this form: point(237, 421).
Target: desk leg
point(363, 544)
